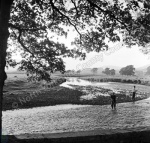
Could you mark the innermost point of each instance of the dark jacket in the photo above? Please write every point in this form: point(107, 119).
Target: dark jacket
point(113, 97)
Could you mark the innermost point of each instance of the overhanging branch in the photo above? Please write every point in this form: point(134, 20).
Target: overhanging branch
point(26, 29)
point(108, 13)
point(21, 43)
point(75, 6)
point(69, 20)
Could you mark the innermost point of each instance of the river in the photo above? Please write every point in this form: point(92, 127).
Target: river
point(71, 118)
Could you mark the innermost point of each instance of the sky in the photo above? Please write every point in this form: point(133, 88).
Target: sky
point(118, 56)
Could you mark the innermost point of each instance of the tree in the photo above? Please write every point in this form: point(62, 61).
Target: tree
point(78, 71)
point(68, 72)
point(148, 71)
point(106, 71)
point(109, 71)
point(31, 25)
point(94, 70)
point(128, 70)
point(112, 72)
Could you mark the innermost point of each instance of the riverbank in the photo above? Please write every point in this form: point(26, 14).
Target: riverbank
point(76, 119)
point(119, 79)
point(143, 80)
point(20, 94)
point(128, 124)
point(101, 96)
point(40, 97)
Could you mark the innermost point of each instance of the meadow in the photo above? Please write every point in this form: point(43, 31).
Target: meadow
point(19, 93)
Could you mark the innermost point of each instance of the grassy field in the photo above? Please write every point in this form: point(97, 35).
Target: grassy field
point(19, 94)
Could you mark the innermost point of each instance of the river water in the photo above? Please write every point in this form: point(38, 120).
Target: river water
point(71, 118)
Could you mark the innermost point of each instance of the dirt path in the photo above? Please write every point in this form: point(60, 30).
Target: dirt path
point(67, 118)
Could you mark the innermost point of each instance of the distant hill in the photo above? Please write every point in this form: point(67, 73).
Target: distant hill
point(112, 67)
point(139, 71)
point(89, 71)
point(143, 68)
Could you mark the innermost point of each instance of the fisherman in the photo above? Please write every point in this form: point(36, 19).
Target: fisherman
point(133, 94)
point(113, 100)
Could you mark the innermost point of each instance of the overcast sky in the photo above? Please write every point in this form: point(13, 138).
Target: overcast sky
point(120, 56)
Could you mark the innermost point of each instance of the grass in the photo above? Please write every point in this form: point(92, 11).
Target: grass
point(101, 96)
point(19, 98)
point(19, 94)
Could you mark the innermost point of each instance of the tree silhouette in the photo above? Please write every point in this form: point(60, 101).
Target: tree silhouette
point(112, 72)
point(94, 70)
point(109, 71)
point(79, 71)
point(106, 71)
point(128, 70)
point(32, 25)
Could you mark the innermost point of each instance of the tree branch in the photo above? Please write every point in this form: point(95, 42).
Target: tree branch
point(69, 20)
point(109, 13)
point(21, 43)
point(26, 29)
point(75, 6)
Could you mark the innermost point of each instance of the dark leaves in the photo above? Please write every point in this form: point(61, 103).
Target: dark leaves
point(36, 23)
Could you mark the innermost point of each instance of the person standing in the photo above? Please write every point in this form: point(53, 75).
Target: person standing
point(113, 100)
point(134, 93)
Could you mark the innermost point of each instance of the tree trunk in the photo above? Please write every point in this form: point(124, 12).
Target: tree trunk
point(5, 6)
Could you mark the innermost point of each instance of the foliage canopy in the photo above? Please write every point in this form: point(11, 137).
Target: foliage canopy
point(128, 70)
point(94, 70)
point(34, 24)
point(108, 71)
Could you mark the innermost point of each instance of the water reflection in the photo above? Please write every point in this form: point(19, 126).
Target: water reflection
point(81, 82)
point(142, 89)
point(71, 118)
point(76, 118)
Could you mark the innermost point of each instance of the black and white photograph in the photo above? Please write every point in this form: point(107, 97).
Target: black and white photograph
point(75, 71)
